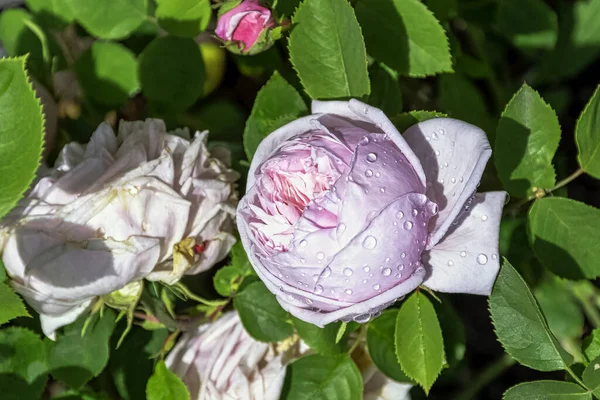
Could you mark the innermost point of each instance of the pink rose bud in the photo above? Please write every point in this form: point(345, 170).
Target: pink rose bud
point(343, 215)
point(245, 27)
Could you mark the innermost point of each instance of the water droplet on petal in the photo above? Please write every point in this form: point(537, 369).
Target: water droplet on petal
point(463, 254)
point(450, 263)
point(348, 291)
point(365, 110)
point(399, 215)
point(320, 256)
point(453, 180)
point(303, 243)
point(386, 271)
point(318, 289)
point(401, 267)
point(326, 272)
point(461, 179)
point(398, 275)
point(309, 301)
point(315, 277)
point(434, 136)
point(484, 217)
point(437, 152)
point(368, 173)
point(494, 256)
point(362, 318)
point(415, 212)
point(371, 157)
point(377, 174)
point(442, 132)
point(482, 259)
point(348, 272)
point(382, 190)
point(403, 255)
point(369, 243)
point(408, 225)
point(366, 268)
point(341, 228)
point(377, 286)
point(302, 260)
point(445, 164)
point(364, 141)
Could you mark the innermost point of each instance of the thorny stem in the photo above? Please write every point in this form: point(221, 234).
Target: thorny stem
point(488, 375)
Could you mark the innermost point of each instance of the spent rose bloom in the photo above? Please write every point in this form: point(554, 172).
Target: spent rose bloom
point(245, 26)
point(343, 215)
point(220, 361)
point(142, 204)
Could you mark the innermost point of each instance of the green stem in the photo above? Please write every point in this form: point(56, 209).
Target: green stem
point(589, 309)
point(567, 180)
point(488, 375)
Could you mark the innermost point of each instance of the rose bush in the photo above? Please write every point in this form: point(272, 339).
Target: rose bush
point(343, 215)
point(142, 204)
point(219, 360)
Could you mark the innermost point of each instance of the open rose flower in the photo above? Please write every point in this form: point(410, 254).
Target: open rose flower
point(343, 215)
point(245, 26)
point(143, 204)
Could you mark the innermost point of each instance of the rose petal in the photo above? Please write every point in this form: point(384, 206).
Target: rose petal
point(454, 155)
point(50, 323)
point(466, 261)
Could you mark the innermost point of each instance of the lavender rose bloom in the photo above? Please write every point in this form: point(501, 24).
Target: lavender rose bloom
point(343, 215)
point(141, 204)
point(245, 26)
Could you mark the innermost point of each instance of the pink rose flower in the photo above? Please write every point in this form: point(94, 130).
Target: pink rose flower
point(343, 215)
point(244, 24)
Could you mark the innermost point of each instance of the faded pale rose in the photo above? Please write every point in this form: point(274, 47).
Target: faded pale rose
point(343, 215)
point(245, 26)
point(142, 204)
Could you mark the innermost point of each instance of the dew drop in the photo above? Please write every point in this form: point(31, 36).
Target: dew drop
point(366, 110)
point(445, 164)
point(371, 157)
point(398, 275)
point(442, 132)
point(368, 173)
point(377, 286)
point(303, 243)
point(399, 215)
point(461, 179)
point(403, 255)
point(494, 256)
point(415, 212)
point(364, 281)
point(348, 291)
point(377, 174)
point(463, 254)
point(362, 318)
point(315, 277)
point(401, 267)
point(320, 256)
point(482, 259)
point(144, 225)
point(408, 225)
point(100, 232)
point(484, 217)
point(453, 180)
point(326, 272)
point(428, 138)
point(348, 272)
point(437, 152)
point(387, 259)
point(369, 243)
point(382, 190)
point(318, 289)
point(434, 136)
point(302, 260)
point(450, 263)
point(366, 268)
point(442, 181)
point(386, 271)
point(341, 228)
point(309, 301)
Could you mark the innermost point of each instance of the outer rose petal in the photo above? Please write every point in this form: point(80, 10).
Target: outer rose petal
point(51, 323)
point(466, 260)
point(453, 154)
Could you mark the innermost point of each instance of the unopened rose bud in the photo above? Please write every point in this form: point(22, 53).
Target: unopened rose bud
point(343, 215)
point(246, 27)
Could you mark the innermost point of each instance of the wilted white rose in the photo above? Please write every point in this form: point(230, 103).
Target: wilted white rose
point(380, 387)
point(220, 361)
point(142, 204)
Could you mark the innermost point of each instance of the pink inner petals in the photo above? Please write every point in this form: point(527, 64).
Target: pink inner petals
point(292, 182)
point(250, 28)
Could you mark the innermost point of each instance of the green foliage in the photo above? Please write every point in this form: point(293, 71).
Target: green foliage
point(109, 19)
point(329, 52)
point(526, 140)
point(185, 18)
point(76, 357)
point(322, 340)
point(261, 314)
point(547, 390)
point(23, 364)
point(276, 104)
point(528, 24)
point(404, 35)
point(560, 308)
point(419, 341)
point(55, 14)
point(453, 331)
point(381, 345)
point(521, 326)
point(172, 72)
point(385, 90)
point(319, 377)
point(591, 376)
point(21, 132)
point(591, 345)
point(165, 385)
point(228, 279)
point(587, 136)
point(407, 119)
point(12, 305)
point(108, 73)
point(563, 236)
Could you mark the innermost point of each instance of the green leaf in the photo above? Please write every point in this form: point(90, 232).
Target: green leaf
point(385, 90)
point(322, 340)
point(75, 358)
point(21, 132)
point(521, 326)
point(276, 104)
point(453, 331)
point(109, 19)
point(591, 345)
point(186, 18)
point(547, 390)
point(461, 99)
point(591, 376)
point(261, 314)
point(12, 305)
point(172, 72)
point(404, 35)
point(562, 312)
point(227, 280)
point(23, 366)
point(564, 236)
point(419, 341)
point(319, 377)
point(407, 119)
point(526, 140)
point(381, 345)
point(165, 385)
point(587, 136)
point(54, 14)
point(107, 73)
point(528, 24)
point(328, 52)
point(17, 38)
